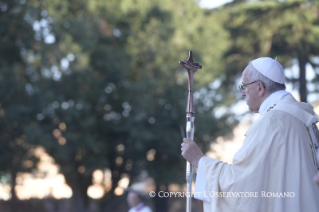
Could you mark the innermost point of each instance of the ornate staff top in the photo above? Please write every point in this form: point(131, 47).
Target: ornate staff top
point(191, 67)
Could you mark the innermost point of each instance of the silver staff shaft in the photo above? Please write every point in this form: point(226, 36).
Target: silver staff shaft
point(190, 129)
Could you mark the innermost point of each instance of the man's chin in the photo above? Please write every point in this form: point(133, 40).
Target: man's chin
point(252, 110)
point(249, 108)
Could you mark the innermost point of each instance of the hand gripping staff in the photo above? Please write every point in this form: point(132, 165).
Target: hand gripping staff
point(191, 68)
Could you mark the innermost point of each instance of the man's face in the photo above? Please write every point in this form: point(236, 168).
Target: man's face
point(133, 199)
point(251, 92)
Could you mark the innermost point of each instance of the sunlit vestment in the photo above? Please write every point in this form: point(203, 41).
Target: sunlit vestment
point(273, 171)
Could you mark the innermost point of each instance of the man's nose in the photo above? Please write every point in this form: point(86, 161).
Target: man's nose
point(243, 93)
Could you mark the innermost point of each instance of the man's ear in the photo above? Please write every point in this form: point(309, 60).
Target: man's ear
point(261, 89)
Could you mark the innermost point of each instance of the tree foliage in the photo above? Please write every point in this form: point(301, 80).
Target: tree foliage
point(98, 84)
point(102, 87)
point(287, 30)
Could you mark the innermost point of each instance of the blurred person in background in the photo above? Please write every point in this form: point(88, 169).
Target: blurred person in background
point(135, 200)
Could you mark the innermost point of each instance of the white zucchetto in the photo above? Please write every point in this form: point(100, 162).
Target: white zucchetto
point(270, 68)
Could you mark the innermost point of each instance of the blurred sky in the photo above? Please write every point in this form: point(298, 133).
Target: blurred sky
point(212, 3)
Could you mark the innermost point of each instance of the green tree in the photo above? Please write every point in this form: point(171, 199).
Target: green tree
point(104, 87)
point(287, 30)
point(16, 93)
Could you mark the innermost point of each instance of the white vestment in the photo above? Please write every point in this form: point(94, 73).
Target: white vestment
point(272, 172)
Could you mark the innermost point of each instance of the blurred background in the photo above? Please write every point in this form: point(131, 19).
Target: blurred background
point(92, 97)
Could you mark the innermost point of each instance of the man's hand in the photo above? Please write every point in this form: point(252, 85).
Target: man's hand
point(191, 152)
point(316, 178)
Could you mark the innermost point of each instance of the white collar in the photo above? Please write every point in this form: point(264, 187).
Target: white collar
point(272, 99)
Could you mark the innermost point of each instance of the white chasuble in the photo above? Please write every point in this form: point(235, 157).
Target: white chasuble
point(272, 172)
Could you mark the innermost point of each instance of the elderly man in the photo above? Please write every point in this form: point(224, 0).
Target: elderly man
point(274, 168)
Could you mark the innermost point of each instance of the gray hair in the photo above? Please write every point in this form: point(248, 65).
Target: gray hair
point(270, 85)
